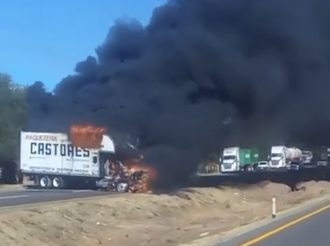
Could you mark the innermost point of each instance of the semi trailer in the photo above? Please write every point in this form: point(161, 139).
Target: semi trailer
point(51, 160)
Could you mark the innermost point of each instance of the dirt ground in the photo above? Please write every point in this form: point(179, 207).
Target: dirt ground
point(146, 219)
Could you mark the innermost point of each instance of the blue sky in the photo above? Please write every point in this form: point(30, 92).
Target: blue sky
point(43, 40)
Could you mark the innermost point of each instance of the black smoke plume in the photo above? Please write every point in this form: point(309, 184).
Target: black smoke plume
point(200, 76)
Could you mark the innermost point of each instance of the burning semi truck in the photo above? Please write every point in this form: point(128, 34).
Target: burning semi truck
point(86, 156)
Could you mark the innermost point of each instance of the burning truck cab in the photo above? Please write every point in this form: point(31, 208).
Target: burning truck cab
point(86, 157)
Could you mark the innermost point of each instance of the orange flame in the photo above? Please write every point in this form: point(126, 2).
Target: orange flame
point(143, 184)
point(88, 137)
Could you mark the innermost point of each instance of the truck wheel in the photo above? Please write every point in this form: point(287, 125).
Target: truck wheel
point(121, 187)
point(58, 182)
point(248, 168)
point(45, 182)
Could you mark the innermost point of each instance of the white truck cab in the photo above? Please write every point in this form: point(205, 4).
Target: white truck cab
point(277, 157)
point(230, 160)
point(283, 157)
point(107, 145)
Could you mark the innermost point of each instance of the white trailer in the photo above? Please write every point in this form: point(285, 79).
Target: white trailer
point(54, 162)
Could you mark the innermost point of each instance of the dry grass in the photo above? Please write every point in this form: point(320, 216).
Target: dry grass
point(144, 219)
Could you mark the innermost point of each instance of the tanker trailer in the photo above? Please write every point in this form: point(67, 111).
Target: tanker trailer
point(293, 154)
point(293, 157)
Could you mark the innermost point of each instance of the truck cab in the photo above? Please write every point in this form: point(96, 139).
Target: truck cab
point(307, 157)
point(277, 157)
point(107, 145)
point(230, 161)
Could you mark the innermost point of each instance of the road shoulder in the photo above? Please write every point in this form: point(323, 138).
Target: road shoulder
point(245, 233)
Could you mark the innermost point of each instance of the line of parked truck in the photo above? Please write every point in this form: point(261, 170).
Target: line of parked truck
point(236, 159)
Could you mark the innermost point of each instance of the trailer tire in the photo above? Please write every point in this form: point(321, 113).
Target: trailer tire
point(44, 182)
point(249, 168)
point(58, 182)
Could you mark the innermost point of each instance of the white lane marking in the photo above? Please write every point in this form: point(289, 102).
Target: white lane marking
point(78, 191)
point(56, 191)
point(12, 197)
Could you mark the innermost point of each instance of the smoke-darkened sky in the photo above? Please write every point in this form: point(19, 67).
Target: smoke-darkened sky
point(173, 83)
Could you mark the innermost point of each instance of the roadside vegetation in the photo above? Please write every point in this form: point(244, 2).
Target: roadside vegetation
point(13, 113)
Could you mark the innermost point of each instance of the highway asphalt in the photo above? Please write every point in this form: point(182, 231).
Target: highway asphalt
point(313, 231)
point(307, 228)
point(17, 197)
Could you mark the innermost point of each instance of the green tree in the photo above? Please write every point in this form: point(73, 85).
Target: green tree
point(13, 112)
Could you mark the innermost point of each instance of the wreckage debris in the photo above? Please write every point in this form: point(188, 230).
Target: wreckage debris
point(139, 179)
point(135, 174)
